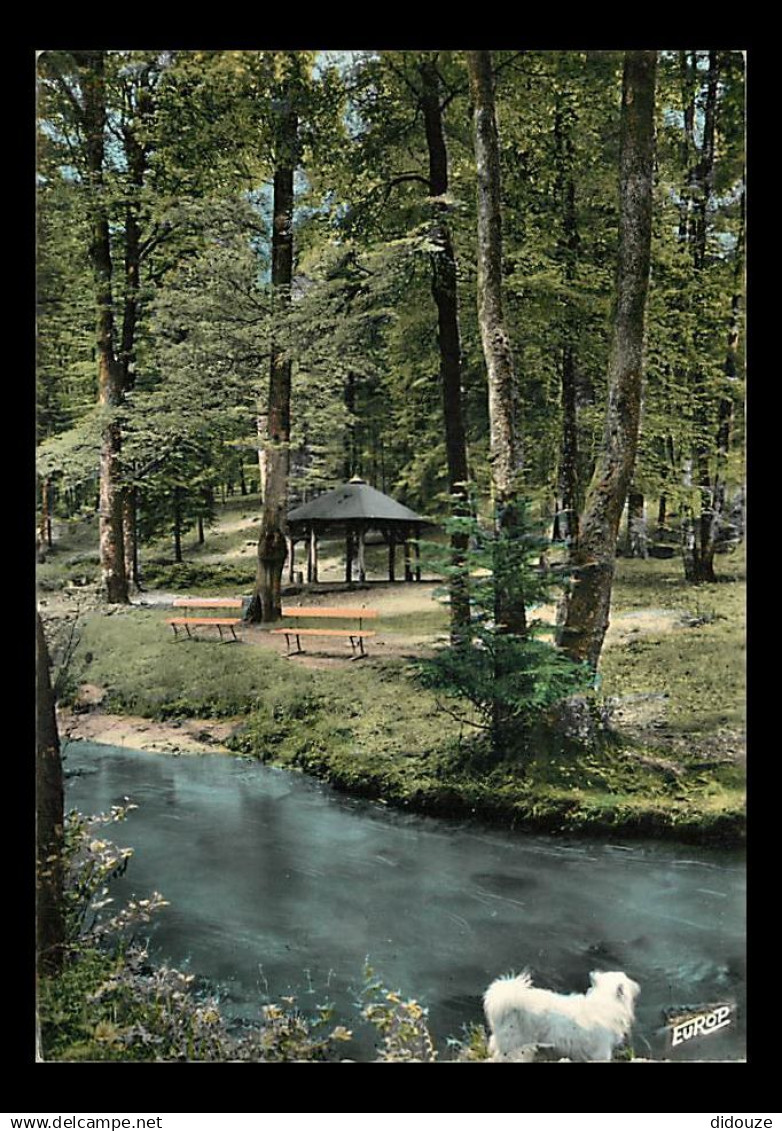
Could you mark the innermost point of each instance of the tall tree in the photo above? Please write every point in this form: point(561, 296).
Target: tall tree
point(444, 292)
point(92, 116)
point(583, 615)
point(504, 440)
point(699, 537)
point(272, 545)
point(564, 124)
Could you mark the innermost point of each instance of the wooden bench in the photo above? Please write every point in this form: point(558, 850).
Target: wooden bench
point(206, 603)
point(357, 636)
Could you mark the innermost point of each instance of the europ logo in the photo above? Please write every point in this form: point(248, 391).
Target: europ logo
point(700, 1024)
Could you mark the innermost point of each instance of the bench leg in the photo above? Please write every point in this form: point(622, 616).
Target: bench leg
point(299, 649)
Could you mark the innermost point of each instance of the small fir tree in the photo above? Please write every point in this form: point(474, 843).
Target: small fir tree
point(499, 681)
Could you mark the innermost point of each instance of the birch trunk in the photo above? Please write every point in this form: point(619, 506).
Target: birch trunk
point(504, 438)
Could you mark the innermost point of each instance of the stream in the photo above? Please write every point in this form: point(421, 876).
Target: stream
point(278, 885)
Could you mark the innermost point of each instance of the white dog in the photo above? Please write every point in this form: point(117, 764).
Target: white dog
point(579, 1026)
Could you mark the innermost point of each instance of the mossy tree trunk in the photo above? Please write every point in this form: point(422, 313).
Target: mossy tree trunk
point(110, 371)
point(583, 613)
point(272, 540)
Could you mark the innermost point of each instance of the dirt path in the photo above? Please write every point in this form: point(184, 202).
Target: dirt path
point(188, 736)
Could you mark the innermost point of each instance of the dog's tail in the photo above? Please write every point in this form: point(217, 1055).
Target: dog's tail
point(522, 981)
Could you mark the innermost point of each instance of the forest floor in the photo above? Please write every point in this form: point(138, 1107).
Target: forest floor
point(672, 676)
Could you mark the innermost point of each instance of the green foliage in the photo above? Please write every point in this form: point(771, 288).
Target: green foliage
point(509, 680)
point(192, 575)
point(362, 329)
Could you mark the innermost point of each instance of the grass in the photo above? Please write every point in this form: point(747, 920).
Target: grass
point(370, 729)
point(700, 666)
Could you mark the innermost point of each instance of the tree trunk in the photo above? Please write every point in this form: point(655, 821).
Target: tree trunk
point(350, 430)
point(568, 463)
point(699, 537)
point(583, 614)
point(49, 824)
point(136, 157)
point(688, 69)
point(444, 292)
point(726, 409)
point(568, 245)
point(45, 525)
point(130, 537)
point(636, 525)
point(662, 517)
point(262, 428)
point(110, 374)
point(177, 524)
point(266, 601)
point(504, 439)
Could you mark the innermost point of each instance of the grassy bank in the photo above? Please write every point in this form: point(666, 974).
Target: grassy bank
point(672, 671)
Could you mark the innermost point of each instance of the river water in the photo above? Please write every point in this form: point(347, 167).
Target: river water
point(278, 885)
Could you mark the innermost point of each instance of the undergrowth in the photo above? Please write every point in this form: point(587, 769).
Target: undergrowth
point(110, 1002)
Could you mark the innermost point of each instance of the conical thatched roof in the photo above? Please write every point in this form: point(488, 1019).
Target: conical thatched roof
point(355, 501)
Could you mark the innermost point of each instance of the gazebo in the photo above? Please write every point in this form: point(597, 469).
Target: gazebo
point(349, 512)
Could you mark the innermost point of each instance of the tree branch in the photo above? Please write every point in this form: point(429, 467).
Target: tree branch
point(66, 90)
point(405, 79)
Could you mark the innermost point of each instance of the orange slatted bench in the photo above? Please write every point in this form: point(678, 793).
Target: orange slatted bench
point(357, 636)
point(206, 603)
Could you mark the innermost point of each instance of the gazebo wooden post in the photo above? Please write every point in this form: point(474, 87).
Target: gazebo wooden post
point(312, 555)
point(417, 551)
point(362, 569)
point(391, 553)
point(408, 571)
point(348, 555)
